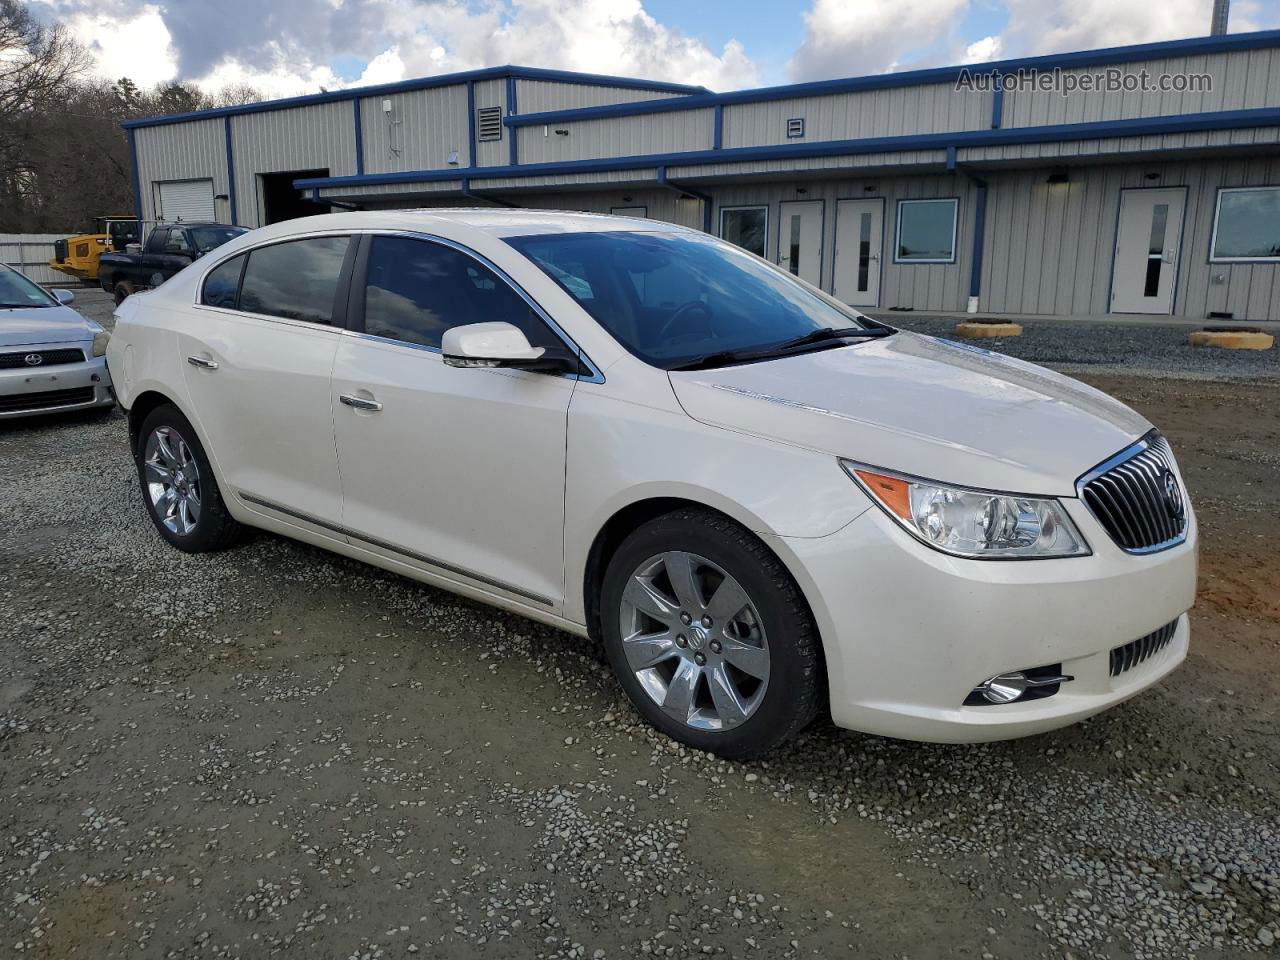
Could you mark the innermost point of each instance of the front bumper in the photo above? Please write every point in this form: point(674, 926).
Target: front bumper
point(29, 390)
point(908, 632)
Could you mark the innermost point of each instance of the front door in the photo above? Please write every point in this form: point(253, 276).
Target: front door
point(859, 241)
point(455, 471)
point(1145, 270)
point(800, 239)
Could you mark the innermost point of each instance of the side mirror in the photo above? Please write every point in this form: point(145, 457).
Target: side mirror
point(63, 296)
point(494, 344)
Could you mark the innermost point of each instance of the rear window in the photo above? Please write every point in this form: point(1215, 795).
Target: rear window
point(296, 280)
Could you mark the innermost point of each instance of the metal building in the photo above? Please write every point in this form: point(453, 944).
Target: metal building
point(1132, 180)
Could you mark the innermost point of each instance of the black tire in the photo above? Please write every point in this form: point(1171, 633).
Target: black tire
point(122, 291)
point(214, 528)
point(795, 690)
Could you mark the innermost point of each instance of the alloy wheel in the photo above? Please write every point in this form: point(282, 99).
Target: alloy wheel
point(695, 641)
point(173, 480)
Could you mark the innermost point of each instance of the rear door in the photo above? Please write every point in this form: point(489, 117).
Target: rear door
point(258, 355)
point(457, 472)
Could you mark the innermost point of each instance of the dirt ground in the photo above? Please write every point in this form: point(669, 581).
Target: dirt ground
point(276, 751)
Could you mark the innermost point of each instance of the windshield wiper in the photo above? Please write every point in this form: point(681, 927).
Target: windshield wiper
point(822, 335)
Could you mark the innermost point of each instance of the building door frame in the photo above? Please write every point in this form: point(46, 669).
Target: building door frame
point(855, 210)
point(806, 238)
point(1144, 280)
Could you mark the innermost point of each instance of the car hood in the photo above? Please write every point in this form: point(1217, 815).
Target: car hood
point(922, 406)
point(44, 325)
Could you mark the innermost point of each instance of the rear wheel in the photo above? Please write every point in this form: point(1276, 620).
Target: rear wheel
point(178, 486)
point(709, 635)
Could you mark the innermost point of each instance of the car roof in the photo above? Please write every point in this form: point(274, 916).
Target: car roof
point(494, 222)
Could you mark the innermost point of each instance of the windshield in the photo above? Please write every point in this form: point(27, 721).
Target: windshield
point(673, 298)
point(206, 238)
point(17, 291)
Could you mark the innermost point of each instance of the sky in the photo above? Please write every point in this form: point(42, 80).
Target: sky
point(287, 47)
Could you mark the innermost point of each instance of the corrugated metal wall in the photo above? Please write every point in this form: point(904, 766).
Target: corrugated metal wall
point(194, 150)
point(301, 138)
point(419, 132)
point(30, 253)
point(619, 137)
point(920, 286)
point(537, 96)
point(936, 108)
point(493, 153)
point(1050, 247)
point(1241, 80)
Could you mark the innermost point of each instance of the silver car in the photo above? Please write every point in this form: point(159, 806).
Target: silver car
point(51, 358)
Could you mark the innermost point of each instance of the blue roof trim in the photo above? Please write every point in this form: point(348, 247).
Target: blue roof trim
point(1145, 126)
point(1086, 58)
point(423, 83)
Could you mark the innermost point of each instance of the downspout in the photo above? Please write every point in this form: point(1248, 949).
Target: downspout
point(979, 237)
point(687, 191)
point(468, 192)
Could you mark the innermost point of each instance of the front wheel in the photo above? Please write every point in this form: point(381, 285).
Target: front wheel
point(709, 635)
point(178, 486)
point(122, 291)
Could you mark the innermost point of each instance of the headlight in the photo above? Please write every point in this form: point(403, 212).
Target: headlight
point(100, 341)
point(972, 523)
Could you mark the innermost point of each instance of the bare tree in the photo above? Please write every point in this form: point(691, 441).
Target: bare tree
point(64, 158)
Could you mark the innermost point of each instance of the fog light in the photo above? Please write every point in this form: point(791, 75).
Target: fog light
point(1018, 685)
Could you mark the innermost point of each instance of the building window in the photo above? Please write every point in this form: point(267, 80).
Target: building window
point(795, 128)
point(926, 231)
point(489, 123)
point(1247, 225)
point(745, 226)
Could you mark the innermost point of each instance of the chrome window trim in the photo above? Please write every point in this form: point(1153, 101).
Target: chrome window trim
point(596, 376)
point(1141, 445)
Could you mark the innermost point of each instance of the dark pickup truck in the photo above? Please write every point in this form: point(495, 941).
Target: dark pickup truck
point(169, 248)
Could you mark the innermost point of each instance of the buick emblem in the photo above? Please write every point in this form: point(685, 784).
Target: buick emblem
point(1172, 495)
point(33, 359)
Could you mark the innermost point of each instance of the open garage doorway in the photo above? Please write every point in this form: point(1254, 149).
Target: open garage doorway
point(281, 200)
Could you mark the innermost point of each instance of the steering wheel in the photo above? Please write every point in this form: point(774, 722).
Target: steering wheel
point(684, 311)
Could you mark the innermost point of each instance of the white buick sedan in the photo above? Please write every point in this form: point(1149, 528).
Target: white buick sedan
point(764, 504)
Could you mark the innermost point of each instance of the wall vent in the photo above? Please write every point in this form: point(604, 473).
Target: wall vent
point(795, 128)
point(489, 123)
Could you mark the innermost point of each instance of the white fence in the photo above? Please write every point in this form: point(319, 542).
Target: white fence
point(30, 253)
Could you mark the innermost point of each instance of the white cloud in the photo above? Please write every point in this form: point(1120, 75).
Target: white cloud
point(844, 39)
point(274, 47)
point(988, 48)
point(127, 44)
point(1049, 26)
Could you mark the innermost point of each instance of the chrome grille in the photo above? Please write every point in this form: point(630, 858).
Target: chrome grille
point(1137, 497)
point(48, 358)
point(1144, 648)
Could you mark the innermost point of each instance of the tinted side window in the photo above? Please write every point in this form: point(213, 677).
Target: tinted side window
point(417, 290)
point(223, 283)
point(296, 280)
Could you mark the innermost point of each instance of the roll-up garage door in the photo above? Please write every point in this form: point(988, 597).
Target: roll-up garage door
point(187, 200)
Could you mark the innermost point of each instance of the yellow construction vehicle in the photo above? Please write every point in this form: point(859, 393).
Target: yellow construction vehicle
point(78, 256)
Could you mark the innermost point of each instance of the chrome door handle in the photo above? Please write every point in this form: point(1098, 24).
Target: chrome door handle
point(360, 403)
point(203, 362)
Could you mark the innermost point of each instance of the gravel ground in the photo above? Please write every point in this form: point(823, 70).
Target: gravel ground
point(1146, 349)
point(277, 751)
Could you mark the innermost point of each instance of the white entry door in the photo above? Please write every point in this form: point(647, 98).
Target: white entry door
point(859, 242)
point(1145, 271)
point(800, 239)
